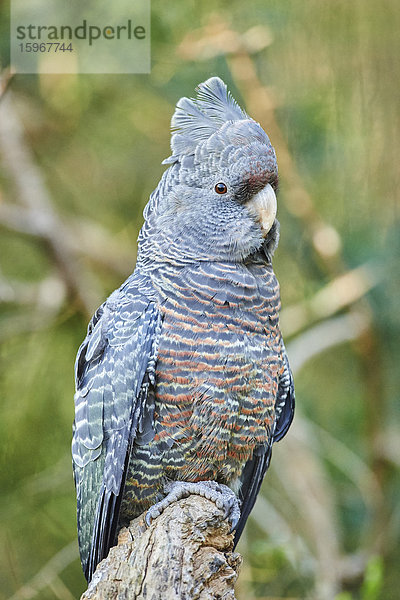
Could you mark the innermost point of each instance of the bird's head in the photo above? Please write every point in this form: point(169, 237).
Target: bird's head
point(217, 201)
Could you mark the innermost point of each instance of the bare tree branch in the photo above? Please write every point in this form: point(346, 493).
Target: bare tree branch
point(84, 238)
point(186, 553)
point(5, 79)
point(47, 295)
point(48, 574)
point(34, 197)
point(325, 335)
point(338, 294)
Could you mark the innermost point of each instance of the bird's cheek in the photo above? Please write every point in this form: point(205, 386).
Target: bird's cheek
point(263, 207)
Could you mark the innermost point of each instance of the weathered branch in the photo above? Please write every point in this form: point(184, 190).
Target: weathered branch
point(185, 554)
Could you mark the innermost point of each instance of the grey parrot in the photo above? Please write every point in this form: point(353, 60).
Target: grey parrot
point(183, 382)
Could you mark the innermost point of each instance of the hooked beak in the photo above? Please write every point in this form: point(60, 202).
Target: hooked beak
point(263, 207)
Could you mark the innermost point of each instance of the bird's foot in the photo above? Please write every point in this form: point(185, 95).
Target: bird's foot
point(219, 493)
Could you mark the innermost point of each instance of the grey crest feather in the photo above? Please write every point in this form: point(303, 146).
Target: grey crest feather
point(216, 101)
point(196, 119)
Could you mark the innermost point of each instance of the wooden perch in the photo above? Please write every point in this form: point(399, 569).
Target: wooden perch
point(185, 554)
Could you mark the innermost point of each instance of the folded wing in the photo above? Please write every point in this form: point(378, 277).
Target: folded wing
point(115, 367)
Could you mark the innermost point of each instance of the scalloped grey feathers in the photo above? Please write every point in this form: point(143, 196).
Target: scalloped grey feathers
point(114, 366)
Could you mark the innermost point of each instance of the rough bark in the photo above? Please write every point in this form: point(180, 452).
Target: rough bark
point(185, 554)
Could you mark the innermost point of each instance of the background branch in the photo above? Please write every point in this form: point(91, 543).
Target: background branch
point(34, 197)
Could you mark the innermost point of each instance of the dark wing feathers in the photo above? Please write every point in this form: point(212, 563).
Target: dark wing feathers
point(285, 402)
point(105, 525)
point(255, 469)
point(251, 478)
point(114, 368)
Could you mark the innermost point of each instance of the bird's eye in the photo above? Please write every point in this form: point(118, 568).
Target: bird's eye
point(221, 188)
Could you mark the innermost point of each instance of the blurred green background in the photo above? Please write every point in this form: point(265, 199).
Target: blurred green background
point(79, 156)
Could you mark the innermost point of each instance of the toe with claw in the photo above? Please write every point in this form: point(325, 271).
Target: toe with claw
point(219, 493)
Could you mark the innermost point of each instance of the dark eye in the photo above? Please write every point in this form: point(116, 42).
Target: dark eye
point(221, 188)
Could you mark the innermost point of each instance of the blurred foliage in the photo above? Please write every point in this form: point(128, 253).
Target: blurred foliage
point(327, 524)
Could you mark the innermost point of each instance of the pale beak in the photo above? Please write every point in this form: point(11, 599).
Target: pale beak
point(263, 207)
